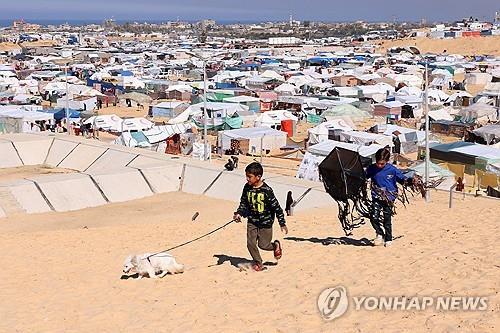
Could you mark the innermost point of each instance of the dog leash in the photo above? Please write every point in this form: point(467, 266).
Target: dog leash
point(193, 240)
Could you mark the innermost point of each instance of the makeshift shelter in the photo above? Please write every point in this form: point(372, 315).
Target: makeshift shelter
point(253, 103)
point(252, 140)
point(19, 121)
point(220, 115)
point(273, 119)
point(473, 154)
point(108, 123)
point(169, 109)
point(388, 108)
point(329, 130)
point(137, 97)
point(365, 139)
point(345, 110)
point(491, 133)
point(287, 89)
point(478, 112)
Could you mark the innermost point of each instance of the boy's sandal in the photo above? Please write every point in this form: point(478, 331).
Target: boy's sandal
point(278, 251)
point(257, 267)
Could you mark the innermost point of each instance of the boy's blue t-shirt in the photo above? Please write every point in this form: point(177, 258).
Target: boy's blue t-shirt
point(385, 179)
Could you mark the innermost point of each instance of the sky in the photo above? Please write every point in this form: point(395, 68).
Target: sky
point(250, 10)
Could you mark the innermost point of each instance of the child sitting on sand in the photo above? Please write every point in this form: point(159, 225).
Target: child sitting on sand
point(259, 205)
point(384, 176)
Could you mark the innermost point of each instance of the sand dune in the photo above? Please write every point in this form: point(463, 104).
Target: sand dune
point(61, 271)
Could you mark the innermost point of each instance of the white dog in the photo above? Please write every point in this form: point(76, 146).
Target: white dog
point(145, 264)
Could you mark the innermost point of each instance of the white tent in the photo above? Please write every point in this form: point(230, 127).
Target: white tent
point(273, 118)
point(110, 123)
point(287, 88)
point(365, 138)
point(271, 139)
point(478, 111)
point(440, 114)
point(458, 94)
point(269, 74)
point(223, 109)
point(136, 124)
point(320, 133)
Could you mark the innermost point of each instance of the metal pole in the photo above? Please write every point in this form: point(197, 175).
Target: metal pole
point(205, 114)
point(261, 147)
point(67, 98)
point(427, 150)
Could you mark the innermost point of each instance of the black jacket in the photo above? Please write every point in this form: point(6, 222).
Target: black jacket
point(260, 206)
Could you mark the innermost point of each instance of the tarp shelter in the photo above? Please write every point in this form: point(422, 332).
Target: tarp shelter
point(440, 114)
point(315, 154)
point(220, 115)
point(478, 112)
point(109, 123)
point(137, 97)
point(474, 154)
point(273, 119)
point(253, 103)
point(136, 124)
point(59, 114)
point(18, 121)
point(345, 110)
point(477, 78)
point(492, 89)
point(321, 132)
point(270, 138)
point(151, 136)
point(364, 138)
point(489, 132)
point(169, 109)
point(287, 88)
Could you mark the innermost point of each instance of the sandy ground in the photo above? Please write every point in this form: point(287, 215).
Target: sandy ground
point(29, 171)
point(465, 46)
point(61, 271)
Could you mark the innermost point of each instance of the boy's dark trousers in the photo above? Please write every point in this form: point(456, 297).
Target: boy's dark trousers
point(258, 238)
point(378, 207)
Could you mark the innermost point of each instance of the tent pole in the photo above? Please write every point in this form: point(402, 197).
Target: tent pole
point(205, 115)
point(67, 98)
point(427, 150)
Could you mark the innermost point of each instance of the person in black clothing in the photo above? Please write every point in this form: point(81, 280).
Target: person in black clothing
point(260, 206)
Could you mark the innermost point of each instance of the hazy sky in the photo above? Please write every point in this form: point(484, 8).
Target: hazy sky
point(249, 10)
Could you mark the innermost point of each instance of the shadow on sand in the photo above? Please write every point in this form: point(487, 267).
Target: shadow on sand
point(236, 261)
point(333, 241)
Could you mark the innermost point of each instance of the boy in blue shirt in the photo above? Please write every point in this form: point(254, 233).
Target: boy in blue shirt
point(383, 176)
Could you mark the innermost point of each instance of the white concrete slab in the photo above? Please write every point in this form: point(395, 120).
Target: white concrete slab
point(316, 199)
point(111, 160)
point(34, 151)
point(58, 151)
point(164, 178)
point(70, 191)
point(28, 196)
point(123, 185)
point(197, 179)
point(8, 155)
point(146, 162)
point(229, 186)
point(82, 157)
